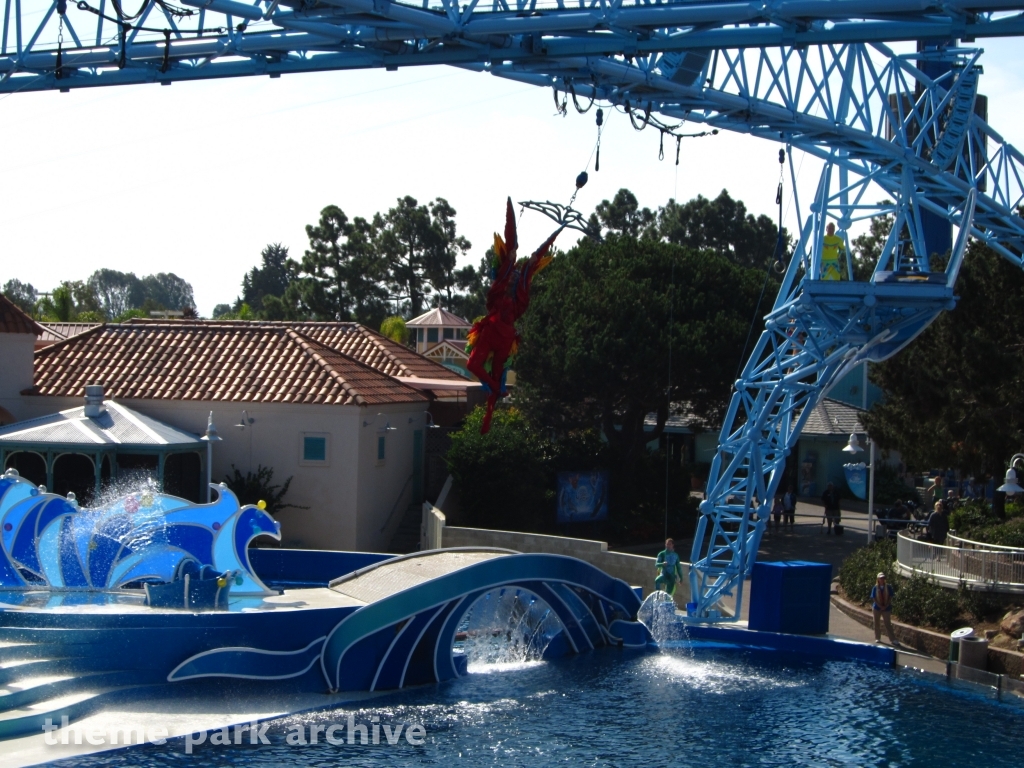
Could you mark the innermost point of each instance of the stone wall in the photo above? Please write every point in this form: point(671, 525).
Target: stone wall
point(635, 570)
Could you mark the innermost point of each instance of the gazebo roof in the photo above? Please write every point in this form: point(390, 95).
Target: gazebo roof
point(438, 317)
point(115, 426)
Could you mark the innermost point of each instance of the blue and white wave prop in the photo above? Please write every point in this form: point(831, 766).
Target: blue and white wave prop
point(47, 541)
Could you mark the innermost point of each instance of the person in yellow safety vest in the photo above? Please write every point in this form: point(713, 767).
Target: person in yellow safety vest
point(831, 249)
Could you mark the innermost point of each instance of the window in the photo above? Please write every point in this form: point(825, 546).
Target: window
point(449, 333)
point(314, 447)
point(462, 333)
point(419, 334)
point(381, 448)
point(432, 335)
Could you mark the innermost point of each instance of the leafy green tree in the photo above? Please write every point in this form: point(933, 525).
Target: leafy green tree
point(117, 292)
point(394, 328)
point(623, 215)
point(953, 397)
point(448, 245)
point(596, 337)
point(724, 226)
point(271, 278)
point(59, 306)
point(22, 295)
point(472, 282)
point(341, 272)
point(168, 291)
point(409, 246)
point(221, 311)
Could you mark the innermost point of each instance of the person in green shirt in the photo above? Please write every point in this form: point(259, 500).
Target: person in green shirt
point(669, 567)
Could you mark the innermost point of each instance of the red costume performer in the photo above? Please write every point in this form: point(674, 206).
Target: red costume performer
point(493, 338)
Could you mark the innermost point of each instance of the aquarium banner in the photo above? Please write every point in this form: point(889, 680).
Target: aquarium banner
point(856, 478)
point(582, 496)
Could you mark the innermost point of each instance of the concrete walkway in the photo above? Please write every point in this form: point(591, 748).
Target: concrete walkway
point(805, 541)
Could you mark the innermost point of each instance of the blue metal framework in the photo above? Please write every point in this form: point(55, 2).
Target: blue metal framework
point(817, 76)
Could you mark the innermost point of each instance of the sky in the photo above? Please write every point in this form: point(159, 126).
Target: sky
point(196, 178)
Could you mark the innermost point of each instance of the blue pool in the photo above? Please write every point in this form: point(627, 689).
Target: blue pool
point(709, 706)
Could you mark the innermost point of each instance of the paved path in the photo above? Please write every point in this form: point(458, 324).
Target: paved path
point(806, 541)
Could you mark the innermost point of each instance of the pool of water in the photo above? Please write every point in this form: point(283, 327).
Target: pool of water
point(707, 706)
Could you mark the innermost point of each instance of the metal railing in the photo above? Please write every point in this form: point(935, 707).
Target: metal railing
point(996, 570)
point(957, 541)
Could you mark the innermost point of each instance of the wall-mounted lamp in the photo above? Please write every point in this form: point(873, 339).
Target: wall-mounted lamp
point(245, 421)
point(428, 420)
point(210, 438)
point(387, 423)
point(1010, 484)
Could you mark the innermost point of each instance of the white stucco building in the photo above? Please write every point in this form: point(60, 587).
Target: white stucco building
point(337, 407)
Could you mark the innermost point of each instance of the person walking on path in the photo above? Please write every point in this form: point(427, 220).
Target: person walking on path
point(789, 508)
point(881, 609)
point(830, 500)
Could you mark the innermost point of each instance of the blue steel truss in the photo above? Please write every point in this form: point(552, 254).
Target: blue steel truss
point(817, 76)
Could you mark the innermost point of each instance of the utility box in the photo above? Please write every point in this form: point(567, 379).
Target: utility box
point(790, 597)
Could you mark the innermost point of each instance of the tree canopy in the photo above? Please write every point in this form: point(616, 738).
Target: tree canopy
point(596, 339)
point(107, 295)
point(953, 397)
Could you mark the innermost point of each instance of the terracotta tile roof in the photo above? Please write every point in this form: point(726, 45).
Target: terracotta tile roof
point(241, 362)
point(13, 320)
point(438, 316)
point(350, 339)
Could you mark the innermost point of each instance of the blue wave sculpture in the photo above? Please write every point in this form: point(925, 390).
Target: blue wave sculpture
point(46, 540)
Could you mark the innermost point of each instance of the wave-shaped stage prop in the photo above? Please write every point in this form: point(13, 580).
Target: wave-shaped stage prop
point(48, 541)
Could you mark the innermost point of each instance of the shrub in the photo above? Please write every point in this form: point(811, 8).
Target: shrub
point(1008, 534)
point(394, 328)
point(254, 487)
point(858, 572)
point(505, 477)
point(981, 606)
point(919, 600)
point(972, 516)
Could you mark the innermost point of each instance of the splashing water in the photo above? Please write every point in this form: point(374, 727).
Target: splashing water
point(507, 627)
point(658, 614)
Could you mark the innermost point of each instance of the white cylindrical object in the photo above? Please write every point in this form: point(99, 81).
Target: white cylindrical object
point(974, 652)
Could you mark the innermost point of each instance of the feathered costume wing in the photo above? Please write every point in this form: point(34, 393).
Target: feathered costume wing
point(493, 339)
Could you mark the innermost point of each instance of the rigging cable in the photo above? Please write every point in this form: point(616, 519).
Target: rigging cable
point(768, 270)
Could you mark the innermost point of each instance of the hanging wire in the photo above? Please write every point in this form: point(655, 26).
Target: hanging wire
point(575, 103)
point(560, 108)
point(779, 247)
point(82, 5)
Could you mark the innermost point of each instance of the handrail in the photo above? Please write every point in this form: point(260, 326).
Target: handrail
point(951, 566)
point(394, 506)
point(985, 545)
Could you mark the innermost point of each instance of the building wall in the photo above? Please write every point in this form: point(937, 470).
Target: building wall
point(347, 497)
point(385, 489)
point(15, 370)
point(850, 389)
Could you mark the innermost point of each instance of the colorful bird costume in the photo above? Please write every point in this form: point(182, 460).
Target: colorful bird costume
point(493, 338)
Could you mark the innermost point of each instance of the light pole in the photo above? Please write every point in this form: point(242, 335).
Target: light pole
point(209, 438)
point(1010, 481)
point(854, 447)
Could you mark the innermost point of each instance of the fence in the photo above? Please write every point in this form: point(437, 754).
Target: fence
point(999, 570)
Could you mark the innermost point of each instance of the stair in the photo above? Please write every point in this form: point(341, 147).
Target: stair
point(407, 536)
